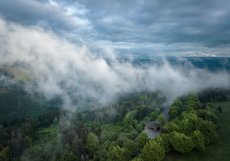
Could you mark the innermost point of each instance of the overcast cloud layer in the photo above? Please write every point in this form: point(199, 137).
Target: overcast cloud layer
point(159, 27)
point(61, 68)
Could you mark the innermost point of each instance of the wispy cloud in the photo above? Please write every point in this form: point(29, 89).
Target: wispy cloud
point(159, 24)
point(50, 14)
point(61, 68)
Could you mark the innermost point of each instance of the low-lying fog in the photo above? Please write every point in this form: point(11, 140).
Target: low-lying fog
point(73, 72)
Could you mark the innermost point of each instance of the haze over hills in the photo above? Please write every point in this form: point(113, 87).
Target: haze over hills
point(133, 80)
point(19, 84)
point(43, 127)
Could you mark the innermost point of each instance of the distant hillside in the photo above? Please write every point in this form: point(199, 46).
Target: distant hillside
point(208, 63)
point(15, 103)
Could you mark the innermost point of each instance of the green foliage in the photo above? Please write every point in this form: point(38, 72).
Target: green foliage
point(132, 134)
point(5, 154)
point(78, 146)
point(116, 153)
point(142, 139)
point(46, 147)
point(192, 102)
point(121, 138)
point(94, 126)
point(170, 126)
point(109, 132)
point(193, 128)
point(136, 159)
point(208, 115)
point(207, 128)
point(153, 115)
point(198, 140)
point(16, 106)
point(187, 122)
point(218, 150)
point(164, 140)
point(180, 142)
point(173, 111)
point(131, 147)
point(69, 156)
point(140, 126)
point(161, 119)
point(175, 108)
point(103, 151)
point(3, 135)
point(101, 138)
point(214, 95)
point(142, 112)
point(152, 151)
point(92, 142)
point(129, 120)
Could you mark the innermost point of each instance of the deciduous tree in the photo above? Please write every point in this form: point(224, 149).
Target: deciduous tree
point(180, 142)
point(92, 142)
point(152, 151)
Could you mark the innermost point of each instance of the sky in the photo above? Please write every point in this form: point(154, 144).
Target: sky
point(63, 47)
point(57, 67)
point(131, 27)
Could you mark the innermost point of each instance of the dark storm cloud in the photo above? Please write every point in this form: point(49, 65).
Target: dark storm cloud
point(163, 23)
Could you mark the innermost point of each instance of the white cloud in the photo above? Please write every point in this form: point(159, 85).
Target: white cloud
point(58, 16)
point(61, 68)
point(153, 26)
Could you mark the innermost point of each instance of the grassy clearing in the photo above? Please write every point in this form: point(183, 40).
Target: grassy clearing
point(218, 151)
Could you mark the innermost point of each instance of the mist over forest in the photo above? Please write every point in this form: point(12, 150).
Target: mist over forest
point(57, 67)
point(114, 80)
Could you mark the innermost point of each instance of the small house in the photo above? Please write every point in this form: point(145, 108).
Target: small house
point(153, 125)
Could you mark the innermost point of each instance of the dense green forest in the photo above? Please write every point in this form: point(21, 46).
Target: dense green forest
point(33, 129)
